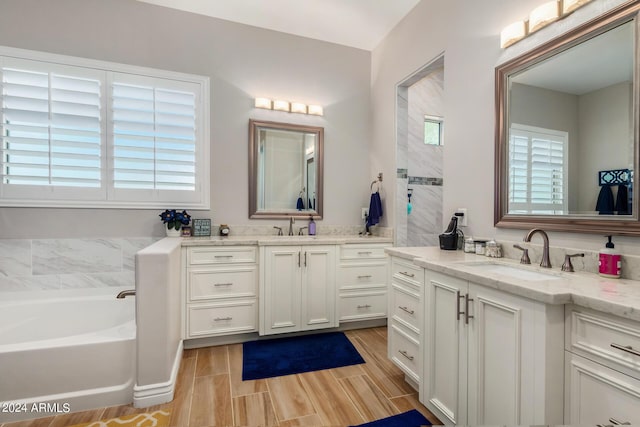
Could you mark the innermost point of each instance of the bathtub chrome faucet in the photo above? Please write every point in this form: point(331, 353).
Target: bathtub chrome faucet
point(127, 293)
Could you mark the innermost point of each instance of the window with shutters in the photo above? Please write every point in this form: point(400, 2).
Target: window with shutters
point(82, 133)
point(537, 170)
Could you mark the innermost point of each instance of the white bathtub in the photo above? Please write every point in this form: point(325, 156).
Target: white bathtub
point(70, 352)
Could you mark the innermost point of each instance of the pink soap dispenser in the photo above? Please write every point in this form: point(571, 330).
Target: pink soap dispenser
point(609, 262)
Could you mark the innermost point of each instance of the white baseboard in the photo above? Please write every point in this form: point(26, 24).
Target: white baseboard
point(156, 394)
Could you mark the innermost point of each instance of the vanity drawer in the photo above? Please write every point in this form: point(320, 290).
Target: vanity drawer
point(404, 307)
point(222, 283)
point(222, 318)
point(404, 351)
point(221, 255)
point(406, 270)
point(362, 252)
point(605, 339)
point(354, 276)
point(363, 305)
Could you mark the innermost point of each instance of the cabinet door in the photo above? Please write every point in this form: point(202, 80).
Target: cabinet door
point(282, 278)
point(599, 395)
point(318, 290)
point(496, 334)
point(444, 388)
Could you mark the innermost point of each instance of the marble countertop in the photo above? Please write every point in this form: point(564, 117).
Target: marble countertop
point(616, 296)
point(282, 240)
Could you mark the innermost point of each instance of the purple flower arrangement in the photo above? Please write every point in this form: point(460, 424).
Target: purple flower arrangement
point(175, 219)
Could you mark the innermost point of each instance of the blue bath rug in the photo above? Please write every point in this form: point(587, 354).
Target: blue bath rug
point(412, 418)
point(293, 355)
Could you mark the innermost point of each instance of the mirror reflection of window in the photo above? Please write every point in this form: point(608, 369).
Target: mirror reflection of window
point(433, 130)
point(537, 170)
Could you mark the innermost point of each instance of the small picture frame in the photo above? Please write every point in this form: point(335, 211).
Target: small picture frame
point(201, 227)
point(185, 231)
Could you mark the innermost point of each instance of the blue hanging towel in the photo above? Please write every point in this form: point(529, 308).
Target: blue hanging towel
point(605, 201)
point(622, 200)
point(299, 204)
point(375, 209)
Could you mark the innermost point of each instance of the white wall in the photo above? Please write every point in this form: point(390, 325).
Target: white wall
point(468, 32)
point(243, 62)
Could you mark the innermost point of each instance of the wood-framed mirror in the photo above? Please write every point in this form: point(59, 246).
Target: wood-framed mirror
point(567, 130)
point(286, 165)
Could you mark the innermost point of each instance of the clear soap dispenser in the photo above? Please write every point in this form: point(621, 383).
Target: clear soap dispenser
point(312, 226)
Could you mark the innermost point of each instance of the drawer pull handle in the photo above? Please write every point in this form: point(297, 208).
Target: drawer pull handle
point(219, 319)
point(406, 309)
point(223, 256)
point(223, 284)
point(404, 353)
point(364, 306)
point(404, 273)
point(618, 423)
point(364, 276)
point(365, 253)
point(626, 348)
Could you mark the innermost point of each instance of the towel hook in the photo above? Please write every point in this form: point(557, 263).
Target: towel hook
point(378, 180)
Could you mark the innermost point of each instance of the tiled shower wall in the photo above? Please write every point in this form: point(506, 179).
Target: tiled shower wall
point(419, 165)
point(50, 264)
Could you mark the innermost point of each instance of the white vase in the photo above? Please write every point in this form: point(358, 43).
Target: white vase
point(172, 232)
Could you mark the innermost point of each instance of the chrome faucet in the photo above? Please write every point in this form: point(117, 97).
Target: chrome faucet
point(545, 261)
point(301, 230)
point(292, 220)
point(127, 293)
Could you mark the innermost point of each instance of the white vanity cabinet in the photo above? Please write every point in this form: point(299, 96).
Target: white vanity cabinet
point(298, 288)
point(405, 325)
point(362, 282)
point(602, 368)
point(220, 290)
point(490, 357)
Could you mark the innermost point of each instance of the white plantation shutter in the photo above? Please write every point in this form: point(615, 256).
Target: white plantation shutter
point(155, 135)
point(537, 170)
point(84, 133)
point(51, 130)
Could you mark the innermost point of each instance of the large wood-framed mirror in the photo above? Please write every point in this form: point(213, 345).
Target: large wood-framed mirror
point(285, 170)
point(567, 130)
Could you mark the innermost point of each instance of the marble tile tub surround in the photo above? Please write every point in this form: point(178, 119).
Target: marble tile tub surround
point(50, 264)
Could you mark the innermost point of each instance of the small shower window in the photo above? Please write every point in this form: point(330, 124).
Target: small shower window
point(433, 130)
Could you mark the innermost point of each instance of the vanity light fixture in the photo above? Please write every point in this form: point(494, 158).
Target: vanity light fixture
point(281, 105)
point(543, 15)
point(263, 103)
point(293, 107)
point(297, 107)
point(569, 6)
point(539, 17)
point(316, 110)
point(512, 33)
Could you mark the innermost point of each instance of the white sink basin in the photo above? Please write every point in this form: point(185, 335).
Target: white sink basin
point(514, 271)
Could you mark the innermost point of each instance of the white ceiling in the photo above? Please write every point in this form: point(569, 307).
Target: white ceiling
point(355, 23)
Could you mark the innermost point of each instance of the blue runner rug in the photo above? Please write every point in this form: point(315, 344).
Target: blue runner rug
point(293, 355)
point(412, 418)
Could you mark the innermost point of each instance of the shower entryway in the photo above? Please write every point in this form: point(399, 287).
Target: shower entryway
point(419, 145)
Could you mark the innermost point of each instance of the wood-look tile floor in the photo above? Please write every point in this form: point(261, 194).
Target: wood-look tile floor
point(210, 392)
